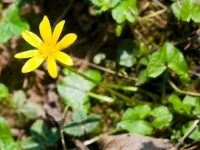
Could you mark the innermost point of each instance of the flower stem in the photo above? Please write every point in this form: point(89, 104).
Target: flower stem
point(134, 101)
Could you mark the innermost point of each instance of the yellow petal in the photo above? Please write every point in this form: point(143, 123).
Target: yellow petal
point(45, 30)
point(33, 39)
point(56, 33)
point(33, 63)
point(27, 54)
point(51, 66)
point(66, 41)
point(63, 58)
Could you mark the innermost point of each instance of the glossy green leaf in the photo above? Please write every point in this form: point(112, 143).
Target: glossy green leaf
point(81, 123)
point(162, 116)
point(195, 134)
point(190, 10)
point(127, 51)
point(3, 91)
point(11, 24)
point(177, 104)
point(73, 89)
point(18, 99)
point(137, 126)
point(133, 120)
point(126, 10)
point(176, 8)
point(98, 58)
point(167, 56)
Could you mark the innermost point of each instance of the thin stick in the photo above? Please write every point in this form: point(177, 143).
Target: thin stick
point(61, 126)
point(181, 91)
point(103, 68)
point(186, 134)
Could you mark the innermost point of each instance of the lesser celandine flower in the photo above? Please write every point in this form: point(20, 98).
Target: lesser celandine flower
point(48, 47)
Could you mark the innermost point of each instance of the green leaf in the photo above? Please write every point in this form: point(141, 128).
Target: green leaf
point(118, 30)
point(127, 51)
point(167, 56)
point(98, 58)
point(18, 99)
point(104, 5)
point(137, 126)
point(195, 134)
point(176, 8)
point(30, 144)
point(73, 89)
point(162, 116)
point(125, 10)
point(5, 137)
point(53, 136)
point(133, 120)
point(29, 110)
point(11, 24)
point(43, 134)
point(142, 77)
point(138, 112)
point(3, 91)
point(177, 104)
point(39, 130)
point(23, 2)
point(190, 10)
point(81, 123)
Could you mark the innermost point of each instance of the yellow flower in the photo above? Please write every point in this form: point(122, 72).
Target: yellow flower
point(48, 48)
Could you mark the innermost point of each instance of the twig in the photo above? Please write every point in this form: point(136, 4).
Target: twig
point(181, 91)
point(88, 142)
point(64, 12)
point(153, 14)
point(61, 126)
point(186, 134)
point(159, 4)
point(103, 68)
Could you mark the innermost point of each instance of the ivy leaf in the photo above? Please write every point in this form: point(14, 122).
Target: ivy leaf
point(127, 51)
point(190, 10)
point(3, 91)
point(176, 8)
point(125, 10)
point(73, 89)
point(177, 104)
point(162, 116)
point(167, 56)
point(11, 24)
point(81, 123)
point(133, 120)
